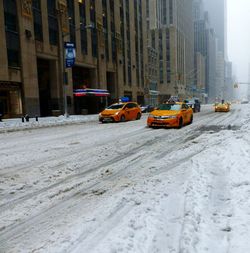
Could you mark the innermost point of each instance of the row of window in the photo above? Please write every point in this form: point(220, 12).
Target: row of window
point(12, 31)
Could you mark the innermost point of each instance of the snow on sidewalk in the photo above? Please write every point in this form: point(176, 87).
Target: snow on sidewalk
point(16, 124)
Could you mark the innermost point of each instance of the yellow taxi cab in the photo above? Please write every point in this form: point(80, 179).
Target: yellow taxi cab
point(121, 112)
point(171, 115)
point(222, 107)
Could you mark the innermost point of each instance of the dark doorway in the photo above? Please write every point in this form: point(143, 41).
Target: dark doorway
point(81, 77)
point(111, 87)
point(43, 69)
point(4, 103)
point(140, 99)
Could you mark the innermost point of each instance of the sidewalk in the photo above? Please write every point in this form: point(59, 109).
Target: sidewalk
point(16, 124)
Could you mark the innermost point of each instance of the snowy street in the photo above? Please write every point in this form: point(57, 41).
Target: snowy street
point(123, 187)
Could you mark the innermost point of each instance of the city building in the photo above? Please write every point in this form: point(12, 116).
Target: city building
point(174, 40)
point(211, 65)
point(218, 21)
point(152, 72)
point(219, 88)
point(111, 55)
point(229, 85)
point(205, 50)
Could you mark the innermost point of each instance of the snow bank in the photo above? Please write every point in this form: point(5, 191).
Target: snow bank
point(11, 125)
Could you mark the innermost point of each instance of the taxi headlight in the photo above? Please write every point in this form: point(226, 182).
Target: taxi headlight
point(100, 115)
point(173, 117)
point(170, 117)
point(150, 116)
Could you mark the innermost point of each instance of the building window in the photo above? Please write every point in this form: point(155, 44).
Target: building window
point(71, 13)
point(168, 56)
point(53, 22)
point(84, 39)
point(105, 27)
point(37, 16)
point(112, 25)
point(94, 37)
point(171, 10)
point(128, 43)
point(12, 34)
point(123, 40)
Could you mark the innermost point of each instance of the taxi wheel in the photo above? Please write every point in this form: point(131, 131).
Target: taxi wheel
point(122, 119)
point(180, 123)
point(138, 116)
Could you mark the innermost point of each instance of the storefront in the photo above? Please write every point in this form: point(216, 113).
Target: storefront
point(10, 99)
point(90, 101)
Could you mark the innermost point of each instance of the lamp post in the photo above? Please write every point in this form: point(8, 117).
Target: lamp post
point(62, 14)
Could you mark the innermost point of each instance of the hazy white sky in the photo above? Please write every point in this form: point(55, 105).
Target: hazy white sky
point(239, 36)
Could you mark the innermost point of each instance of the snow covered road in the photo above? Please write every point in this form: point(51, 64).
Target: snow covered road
point(126, 188)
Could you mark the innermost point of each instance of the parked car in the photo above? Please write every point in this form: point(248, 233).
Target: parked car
point(194, 103)
point(171, 115)
point(121, 112)
point(147, 108)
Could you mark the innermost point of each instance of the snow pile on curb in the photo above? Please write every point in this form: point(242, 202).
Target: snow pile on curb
point(11, 125)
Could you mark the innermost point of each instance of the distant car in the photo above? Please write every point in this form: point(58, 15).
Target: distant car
point(244, 101)
point(174, 99)
point(171, 115)
point(147, 108)
point(121, 112)
point(222, 107)
point(194, 103)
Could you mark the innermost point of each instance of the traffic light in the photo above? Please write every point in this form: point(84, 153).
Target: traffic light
point(236, 86)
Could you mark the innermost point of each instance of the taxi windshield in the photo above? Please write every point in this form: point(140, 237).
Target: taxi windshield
point(170, 107)
point(115, 107)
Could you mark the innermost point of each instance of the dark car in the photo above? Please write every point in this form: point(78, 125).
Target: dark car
point(194, 103)
point(147, 108)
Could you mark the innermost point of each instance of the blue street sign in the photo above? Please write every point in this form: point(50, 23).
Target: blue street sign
point(70, 54)
point(124, 99)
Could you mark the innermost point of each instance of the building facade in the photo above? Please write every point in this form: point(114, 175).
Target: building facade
point(205, 48)
point(111, 54)
point(229, 85)
point(218, 21)
point(174, 40)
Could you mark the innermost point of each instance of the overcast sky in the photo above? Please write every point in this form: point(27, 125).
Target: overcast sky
point(239, 36)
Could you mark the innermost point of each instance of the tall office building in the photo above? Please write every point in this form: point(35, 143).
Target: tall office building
point(111, 54)
point(205, 50)
point(218, 21)
point(229, 86)
point(152, 73)
point(175, 42)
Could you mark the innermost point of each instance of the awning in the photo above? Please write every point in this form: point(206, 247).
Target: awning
point(154, 92)
point(91, 92)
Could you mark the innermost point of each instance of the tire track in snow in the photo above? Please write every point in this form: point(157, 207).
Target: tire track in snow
point(14, 230)
point(13, 202)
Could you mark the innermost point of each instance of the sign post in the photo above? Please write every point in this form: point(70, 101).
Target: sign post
point(69, 56)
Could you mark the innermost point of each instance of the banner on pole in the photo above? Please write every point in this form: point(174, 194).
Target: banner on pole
point(70, 54)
